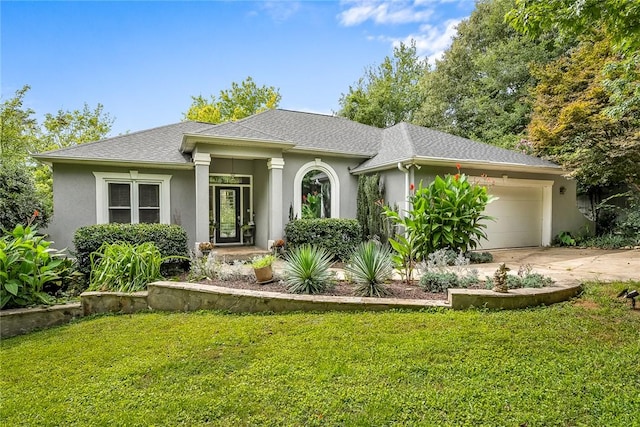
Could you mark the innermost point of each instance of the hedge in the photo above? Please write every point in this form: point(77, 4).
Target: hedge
point(338, 236)
point(171, 240)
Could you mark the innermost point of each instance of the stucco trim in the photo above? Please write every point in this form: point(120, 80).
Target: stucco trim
point(317, 164)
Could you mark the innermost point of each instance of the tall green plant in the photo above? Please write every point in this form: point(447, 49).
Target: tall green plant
point(370, 267)
point(124, 267)
point(369, 208)
point(307, 270)
point(448, 213)
point(27, 263)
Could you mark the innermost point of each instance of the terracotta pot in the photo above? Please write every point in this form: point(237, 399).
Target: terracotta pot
point(264, 274)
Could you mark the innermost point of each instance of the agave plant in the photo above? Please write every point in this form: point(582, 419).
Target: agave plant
point(370, 266)
point(307, 270)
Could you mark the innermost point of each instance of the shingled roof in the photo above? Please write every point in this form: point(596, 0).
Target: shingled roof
point(299, 131)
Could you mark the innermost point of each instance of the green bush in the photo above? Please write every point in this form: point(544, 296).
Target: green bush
point(27, 264)
point(124, 267)
point(370, 267)
point(307, 270)
point(480, 257)
point(19, 200)
point(432, 281)
point(448, 213)
point(337, 236)
point(171, 240)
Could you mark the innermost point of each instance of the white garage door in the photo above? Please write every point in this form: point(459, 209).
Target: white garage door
point(518, 217)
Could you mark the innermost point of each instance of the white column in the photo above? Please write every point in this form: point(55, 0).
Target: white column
point(202, 162)
point(275, 230)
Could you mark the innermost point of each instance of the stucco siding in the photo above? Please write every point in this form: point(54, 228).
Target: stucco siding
point(74, 201)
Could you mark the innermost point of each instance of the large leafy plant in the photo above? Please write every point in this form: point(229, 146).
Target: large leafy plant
point(448, 213)
point(125, 267)
point(27, 263)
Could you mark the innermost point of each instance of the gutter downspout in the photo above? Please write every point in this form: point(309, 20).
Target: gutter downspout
point(407, 182)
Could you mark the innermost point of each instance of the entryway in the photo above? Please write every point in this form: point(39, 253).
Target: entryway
point(231, 209)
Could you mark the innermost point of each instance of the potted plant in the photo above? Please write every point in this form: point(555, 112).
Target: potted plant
point(262, 267)
point(205, 248)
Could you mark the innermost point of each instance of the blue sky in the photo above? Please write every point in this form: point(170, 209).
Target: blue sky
point(143, 60)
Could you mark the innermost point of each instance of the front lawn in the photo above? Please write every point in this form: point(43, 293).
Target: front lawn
point(576, 363)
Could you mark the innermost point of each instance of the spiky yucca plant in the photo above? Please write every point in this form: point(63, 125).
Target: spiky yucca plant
point(307, 270)
point(370, 267)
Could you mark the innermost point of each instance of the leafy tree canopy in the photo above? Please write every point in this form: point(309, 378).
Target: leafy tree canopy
point(480, 88)
point(18, 129)
point(242, 100)
point(570, 124)
point(387, 94)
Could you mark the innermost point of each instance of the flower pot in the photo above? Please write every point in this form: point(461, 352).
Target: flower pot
point(264, 274)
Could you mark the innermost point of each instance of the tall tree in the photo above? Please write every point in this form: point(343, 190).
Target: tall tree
point(242, 100)
point(68, 128)
point(480, 88)
point(18, 129)
point(570, 123)
point(387, 94)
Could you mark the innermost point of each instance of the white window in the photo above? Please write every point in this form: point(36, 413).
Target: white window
point(132, 198)
point(320, 182)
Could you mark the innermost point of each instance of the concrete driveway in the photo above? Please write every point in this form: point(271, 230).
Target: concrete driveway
point(568, 264)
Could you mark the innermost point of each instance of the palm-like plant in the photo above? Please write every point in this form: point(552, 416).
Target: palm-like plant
point(307, 270)
point(370, 267)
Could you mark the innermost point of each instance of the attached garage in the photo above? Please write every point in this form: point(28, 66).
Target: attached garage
point(522, 214)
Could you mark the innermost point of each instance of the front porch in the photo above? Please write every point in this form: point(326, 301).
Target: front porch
point(239, 253)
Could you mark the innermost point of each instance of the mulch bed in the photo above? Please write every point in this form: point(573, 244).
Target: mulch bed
point(397, 289)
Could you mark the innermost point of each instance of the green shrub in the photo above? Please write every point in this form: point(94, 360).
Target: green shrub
point(27, 264)
point(370, 267)
point(19, 200)
point(448, 213)
point(432, 281)
point(480, 257)
point(307, 270)
point(337, 236)
point(124, 267)
point(609, 241)
point(171, 240)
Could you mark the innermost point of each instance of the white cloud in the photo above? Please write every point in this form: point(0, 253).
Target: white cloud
point(396, 12)
point(432, 41)
point(280, 11)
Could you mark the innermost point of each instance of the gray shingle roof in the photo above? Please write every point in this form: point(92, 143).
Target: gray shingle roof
point(157, 145)
point(308, 131)
point(404, 142)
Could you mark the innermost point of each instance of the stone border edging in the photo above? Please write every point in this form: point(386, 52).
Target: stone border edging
point(182, 296)
point(18, 321)
point(461, 299)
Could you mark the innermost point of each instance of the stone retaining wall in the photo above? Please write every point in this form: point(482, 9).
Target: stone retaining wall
point(176, 296)
point(461, 299)
point(113, 302)
point(24, 320)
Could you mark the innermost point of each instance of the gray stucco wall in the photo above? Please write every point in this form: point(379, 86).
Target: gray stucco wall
point(348, 182)
point(74, 199)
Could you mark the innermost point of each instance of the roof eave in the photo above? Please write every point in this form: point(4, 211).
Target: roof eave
point(474, 164)
point(113, 162)
point(338, 153)
point(189, 141)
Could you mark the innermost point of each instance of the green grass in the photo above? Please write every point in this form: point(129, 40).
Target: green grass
point(571, 364)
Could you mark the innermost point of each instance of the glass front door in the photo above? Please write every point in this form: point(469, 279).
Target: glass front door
point(227, 216)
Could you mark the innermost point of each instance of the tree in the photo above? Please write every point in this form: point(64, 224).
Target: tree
point(387, 94)
point(570, 124)
point(17, 129)
point(19, 200)
point(68, 128)
point(242, 100)
point(480, 88)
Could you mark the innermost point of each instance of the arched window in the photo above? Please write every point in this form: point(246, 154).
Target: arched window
point(316, 191)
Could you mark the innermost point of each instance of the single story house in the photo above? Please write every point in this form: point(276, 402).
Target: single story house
point(241, 182)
